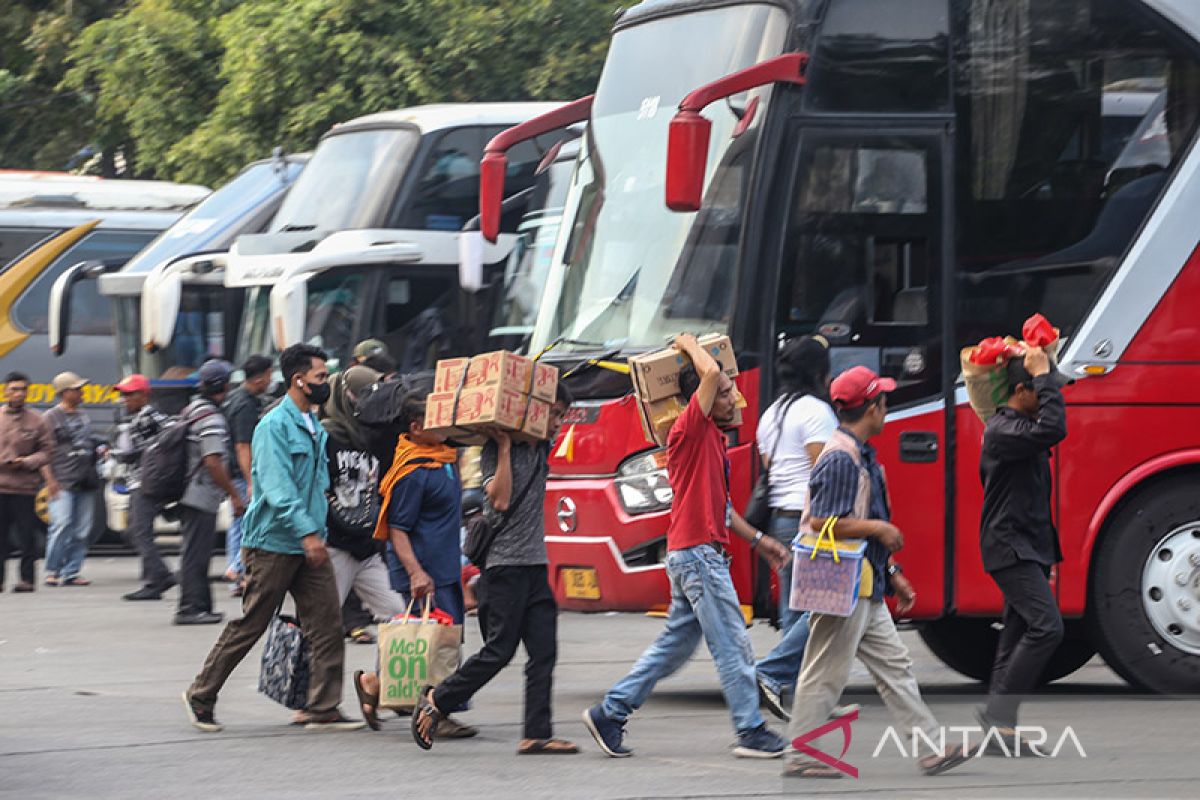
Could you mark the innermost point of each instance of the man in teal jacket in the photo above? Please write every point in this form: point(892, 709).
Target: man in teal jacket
point(283, 546)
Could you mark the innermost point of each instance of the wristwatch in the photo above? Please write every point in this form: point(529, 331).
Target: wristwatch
point(758, 535)
point(893, 569)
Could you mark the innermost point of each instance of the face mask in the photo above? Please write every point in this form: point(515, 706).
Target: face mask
point(318, 393)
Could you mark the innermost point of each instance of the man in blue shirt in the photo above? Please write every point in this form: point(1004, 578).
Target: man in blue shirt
point(848, 483)
point(283, 537)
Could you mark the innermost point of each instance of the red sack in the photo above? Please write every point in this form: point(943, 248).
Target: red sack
point(1038, 332)
point(991, 352)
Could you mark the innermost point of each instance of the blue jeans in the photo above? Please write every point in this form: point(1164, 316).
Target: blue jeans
point(781, 667)
point(70, 525)
point(233, 536)
point(448, 598)
point(705, 605)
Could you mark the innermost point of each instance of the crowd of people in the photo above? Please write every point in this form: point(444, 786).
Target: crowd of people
point(325, 513)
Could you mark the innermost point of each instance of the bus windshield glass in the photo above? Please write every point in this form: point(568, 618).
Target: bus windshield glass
point(335, 301)
point(351, 180)
point(626, 270)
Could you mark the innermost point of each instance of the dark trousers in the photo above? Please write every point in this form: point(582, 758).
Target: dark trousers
point(520, 608)
point(199, 529)
point(139, 532)
point(18, 526)
point(269, 578)
point(1033, 629)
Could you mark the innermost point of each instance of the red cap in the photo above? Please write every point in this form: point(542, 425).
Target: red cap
point(134, 383)
point(857, 385)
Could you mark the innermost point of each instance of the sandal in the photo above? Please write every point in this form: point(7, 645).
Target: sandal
point(811, 771)
point(77, 580)
point(366, 703)
point(427, 717)
point(952, 759)
point(52, 580)
point(360, 636)
point(550, 747)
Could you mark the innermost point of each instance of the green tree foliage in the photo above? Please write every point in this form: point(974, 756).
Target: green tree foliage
point(193, 89)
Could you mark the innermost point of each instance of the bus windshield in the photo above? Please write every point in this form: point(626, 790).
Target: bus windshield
point(351, 179)
point(335, 300)
point(627, 271)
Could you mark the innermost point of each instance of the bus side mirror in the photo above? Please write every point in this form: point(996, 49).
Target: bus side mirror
point(687, 158)
point(161, 294)
point(289, 305)
point(688, 135)
point(492, 170)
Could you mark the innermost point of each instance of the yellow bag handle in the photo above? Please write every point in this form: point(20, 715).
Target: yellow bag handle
point(827, 530)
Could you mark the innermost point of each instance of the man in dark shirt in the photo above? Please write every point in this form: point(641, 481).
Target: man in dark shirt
point(144, 425)
point(242, 410)
point(1017, 536)
point(518, 604)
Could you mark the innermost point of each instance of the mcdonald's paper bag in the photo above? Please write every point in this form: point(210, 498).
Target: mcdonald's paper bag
point(414, 652)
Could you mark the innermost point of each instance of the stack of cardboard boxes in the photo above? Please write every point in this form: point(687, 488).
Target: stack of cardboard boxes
point(499, 388)
point(656, 383)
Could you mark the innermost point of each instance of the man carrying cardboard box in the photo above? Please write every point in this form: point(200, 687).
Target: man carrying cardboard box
point(704, 602)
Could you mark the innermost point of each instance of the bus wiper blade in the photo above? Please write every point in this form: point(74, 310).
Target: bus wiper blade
point(296, 228)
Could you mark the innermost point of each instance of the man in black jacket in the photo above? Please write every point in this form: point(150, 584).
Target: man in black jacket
point(1017, 536)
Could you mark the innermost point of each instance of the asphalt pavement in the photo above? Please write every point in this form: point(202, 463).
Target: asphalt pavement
point(90, 708)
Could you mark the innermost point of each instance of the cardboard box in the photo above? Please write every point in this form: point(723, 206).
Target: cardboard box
point(656, 375)
point(658, 416)
point(439, 418)
point(511, 371)
point(449, 373)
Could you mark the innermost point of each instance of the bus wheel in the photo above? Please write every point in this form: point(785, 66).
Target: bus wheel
point(968, 645)
point(1144, 607)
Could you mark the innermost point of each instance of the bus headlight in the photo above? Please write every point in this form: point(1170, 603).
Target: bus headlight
point(642, 484)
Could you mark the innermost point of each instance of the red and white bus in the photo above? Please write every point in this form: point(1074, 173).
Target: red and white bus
point(904, 178)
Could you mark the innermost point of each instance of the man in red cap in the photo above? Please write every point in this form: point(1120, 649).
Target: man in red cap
point(848, 484)
point(144, 424)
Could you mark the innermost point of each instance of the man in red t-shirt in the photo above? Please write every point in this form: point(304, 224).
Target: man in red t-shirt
point(704, 603)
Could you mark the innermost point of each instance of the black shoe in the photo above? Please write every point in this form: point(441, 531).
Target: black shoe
point(199, 618)
point(201, 718)
point(168, 582)
point(144, 593)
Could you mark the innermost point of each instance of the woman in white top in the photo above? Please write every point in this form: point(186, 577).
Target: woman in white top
point(791, 434)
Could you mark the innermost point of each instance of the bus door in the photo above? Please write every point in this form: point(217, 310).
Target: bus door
point(864, 253)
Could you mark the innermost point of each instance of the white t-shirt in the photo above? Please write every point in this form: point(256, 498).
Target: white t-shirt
point(808, 421)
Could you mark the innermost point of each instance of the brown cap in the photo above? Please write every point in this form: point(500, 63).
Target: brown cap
point(68, 380)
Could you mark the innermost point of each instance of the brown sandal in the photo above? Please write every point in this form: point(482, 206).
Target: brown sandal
point(366, 703)
point(811, 771)
point(549, 747)
point(427, 713)
point(952, 759)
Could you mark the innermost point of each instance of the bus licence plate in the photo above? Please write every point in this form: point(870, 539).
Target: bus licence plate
point(580, 583)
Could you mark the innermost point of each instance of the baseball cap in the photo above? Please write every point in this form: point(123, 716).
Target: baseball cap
point(370, 347)
point(134, 383)
point(359, 378)
point(856, 386)
point(215, 372)
point(68, 380)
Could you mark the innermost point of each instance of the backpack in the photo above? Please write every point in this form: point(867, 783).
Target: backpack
point(164, 461)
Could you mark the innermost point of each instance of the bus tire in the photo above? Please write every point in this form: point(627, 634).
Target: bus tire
point(968, 645)
point(1144, 598)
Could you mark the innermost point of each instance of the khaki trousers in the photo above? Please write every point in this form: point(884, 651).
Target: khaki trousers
point(833, 643)
point(269, 577)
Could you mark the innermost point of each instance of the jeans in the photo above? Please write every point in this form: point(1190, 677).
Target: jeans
point(448, 598)
point(780, 668)
point(1033, 629)
point(520, 608)
point(269, 577)
point(18, 526)
point(704, 604)
point(233, 536)
point(70, 525)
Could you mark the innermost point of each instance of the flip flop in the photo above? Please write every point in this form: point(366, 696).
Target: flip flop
point(952, 759)
point(425, 710)
point(365, 701)
point(549, 747)
point(811, 771)
point(76, 581)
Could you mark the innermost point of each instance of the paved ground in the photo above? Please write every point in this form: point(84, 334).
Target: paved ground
point(89, 708)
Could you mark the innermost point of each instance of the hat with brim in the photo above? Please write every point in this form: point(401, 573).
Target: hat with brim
point(133, 383)
point(68, 380)
point(858, 385)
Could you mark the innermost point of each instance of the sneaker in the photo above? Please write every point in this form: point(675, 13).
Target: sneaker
point(762, 742)
point(607, 732)
point(144, 593)
point(334, 721)
point(202, 718)
point(770, 699)
point(844, 711)
point(199, 618)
